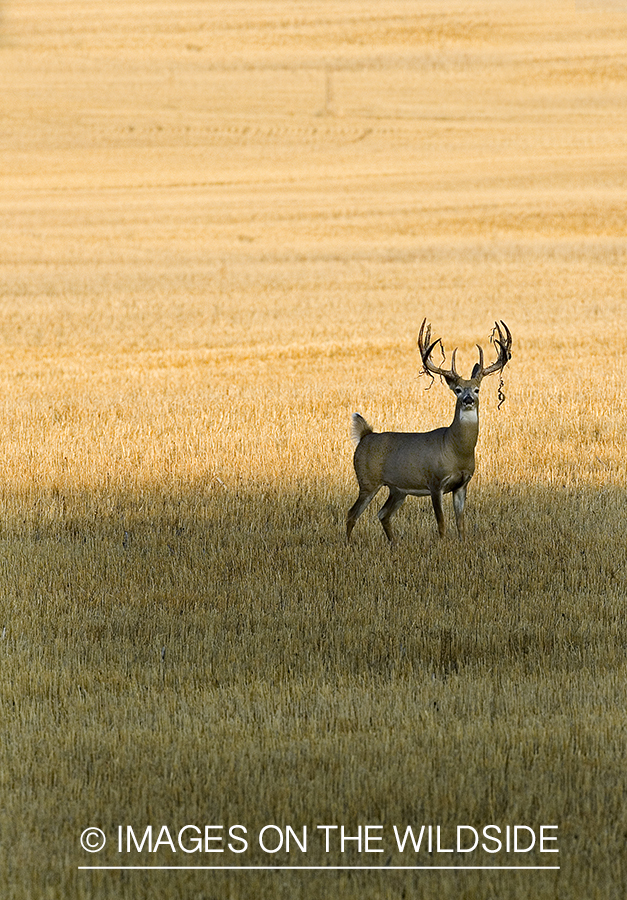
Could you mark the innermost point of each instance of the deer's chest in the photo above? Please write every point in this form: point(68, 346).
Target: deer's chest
point(455, 480)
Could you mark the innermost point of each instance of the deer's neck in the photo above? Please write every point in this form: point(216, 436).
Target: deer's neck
point(464, 430)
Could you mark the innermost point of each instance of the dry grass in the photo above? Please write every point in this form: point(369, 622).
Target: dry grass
point(221, 226)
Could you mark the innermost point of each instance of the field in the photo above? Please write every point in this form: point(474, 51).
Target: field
point(221, 225)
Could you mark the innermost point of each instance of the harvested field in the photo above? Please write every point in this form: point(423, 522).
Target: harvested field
point(221, 226)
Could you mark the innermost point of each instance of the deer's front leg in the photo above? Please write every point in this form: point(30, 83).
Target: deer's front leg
point(436, 499)
point(459, 499)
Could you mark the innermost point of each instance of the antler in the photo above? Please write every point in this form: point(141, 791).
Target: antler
point(503, 343)
point(426, 347)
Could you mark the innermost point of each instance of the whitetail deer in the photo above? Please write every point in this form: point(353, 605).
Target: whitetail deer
point(426, 463)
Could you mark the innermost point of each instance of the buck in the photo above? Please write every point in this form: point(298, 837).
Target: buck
point(430, 463)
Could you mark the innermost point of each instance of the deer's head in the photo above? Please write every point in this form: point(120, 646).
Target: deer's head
point(465, 389)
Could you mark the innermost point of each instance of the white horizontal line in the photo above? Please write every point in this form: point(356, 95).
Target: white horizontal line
point(318, 868)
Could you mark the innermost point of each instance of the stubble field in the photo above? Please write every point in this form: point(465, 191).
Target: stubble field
point(220, 228)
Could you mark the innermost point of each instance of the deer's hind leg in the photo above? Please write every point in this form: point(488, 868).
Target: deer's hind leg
point(365, 496)
point(394, 501)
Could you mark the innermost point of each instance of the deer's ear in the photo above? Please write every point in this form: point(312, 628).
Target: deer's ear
point(452, 381)
point(475, 370)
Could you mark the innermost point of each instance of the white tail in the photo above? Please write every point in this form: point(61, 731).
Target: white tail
point(359, 428)
point(429, 463)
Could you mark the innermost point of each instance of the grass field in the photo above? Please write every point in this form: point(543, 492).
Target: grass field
point(221, 225)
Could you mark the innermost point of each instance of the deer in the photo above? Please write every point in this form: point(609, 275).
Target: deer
point(429, 463)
